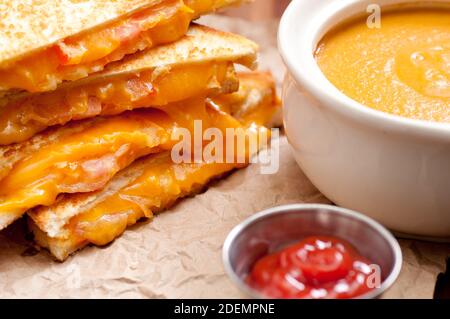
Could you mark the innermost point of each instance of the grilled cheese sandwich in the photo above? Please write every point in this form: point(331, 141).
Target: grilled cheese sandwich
point(148, 186)
point(78, 39)
point(199, 63)
point(82, 156)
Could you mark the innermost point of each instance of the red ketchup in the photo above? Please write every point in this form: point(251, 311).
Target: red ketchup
point(315, 268)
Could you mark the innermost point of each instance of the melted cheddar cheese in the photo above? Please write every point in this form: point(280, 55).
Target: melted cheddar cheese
point(87, 159)
point(165, 181)
point(159, 184)
point(22, 119)
point(256, 100)
point(78, 56)
point(153, 183)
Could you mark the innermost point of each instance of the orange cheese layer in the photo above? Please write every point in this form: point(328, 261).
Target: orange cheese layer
point(153, 183)
point(77, 57)
point(22, 119)
point(162, 184)
point(159, 184)
point(86, 160)
point(256, 100)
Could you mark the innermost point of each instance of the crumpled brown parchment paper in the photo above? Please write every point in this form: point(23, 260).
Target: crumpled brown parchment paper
point(178, 254)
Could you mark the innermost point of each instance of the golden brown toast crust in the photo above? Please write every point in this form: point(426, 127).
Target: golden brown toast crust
point(200, 44)
point(27, 26)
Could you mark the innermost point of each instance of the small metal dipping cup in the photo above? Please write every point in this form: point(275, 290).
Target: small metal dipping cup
point(275, 228)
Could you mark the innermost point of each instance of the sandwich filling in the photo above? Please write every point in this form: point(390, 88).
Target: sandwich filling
point(153, 183)
point(22, 119)
point(256, 100)
point(144, 188)
point(160, 185)
point(78, 56)
point(84, 156)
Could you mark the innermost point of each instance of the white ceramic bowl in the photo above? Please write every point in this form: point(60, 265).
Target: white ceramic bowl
point(393, 169)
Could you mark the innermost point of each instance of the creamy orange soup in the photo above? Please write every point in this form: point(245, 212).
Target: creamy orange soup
point(402, 68)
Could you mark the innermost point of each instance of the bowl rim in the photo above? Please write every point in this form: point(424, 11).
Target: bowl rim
point(302, 66)
point(299, 208)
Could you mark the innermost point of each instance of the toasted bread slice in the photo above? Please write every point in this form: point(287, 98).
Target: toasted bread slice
point(148, 186)
point(84, 156)
point(256, 89)
point(46, 42)
point(101, 217)
point(201, 63)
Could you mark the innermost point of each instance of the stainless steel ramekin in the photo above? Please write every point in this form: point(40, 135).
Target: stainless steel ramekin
point(273, 229)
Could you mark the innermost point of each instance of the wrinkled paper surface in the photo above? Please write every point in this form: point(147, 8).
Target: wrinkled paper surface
point(178, 254)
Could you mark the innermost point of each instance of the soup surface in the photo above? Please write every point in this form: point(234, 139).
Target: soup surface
point(402, 68)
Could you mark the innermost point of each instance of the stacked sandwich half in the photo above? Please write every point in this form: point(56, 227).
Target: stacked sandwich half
point(96, 98)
